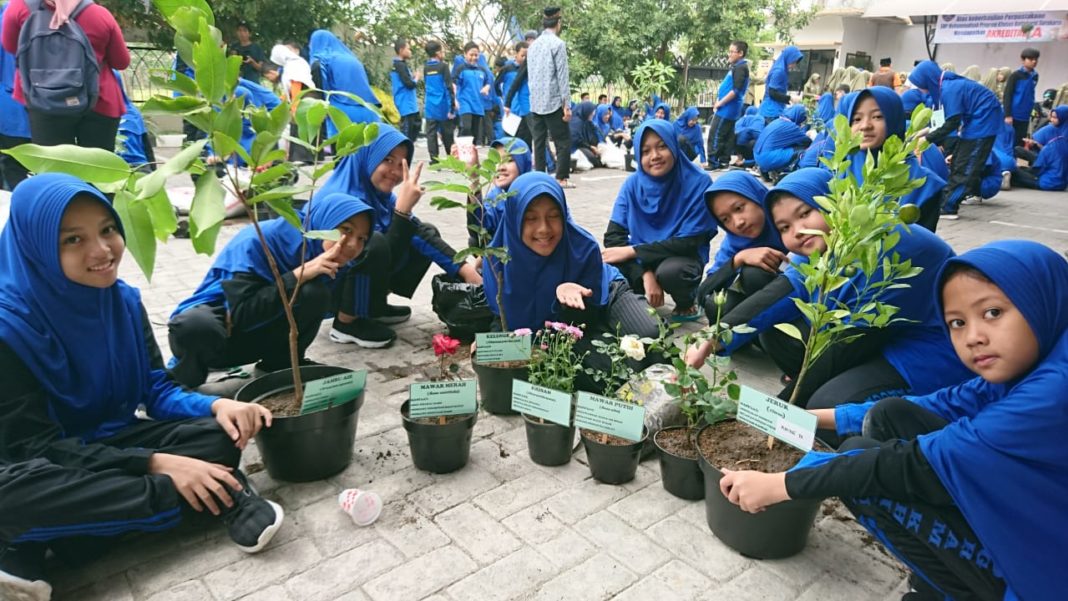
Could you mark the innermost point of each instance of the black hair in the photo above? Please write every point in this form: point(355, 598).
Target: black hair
point(600, 96)
point(584, 95)
point(550, 22)
point(741, 46)
point(469, 46)
point(885, 62)
point(521, 45)
point(530, 35)
point(774, 197)
point(432, 48)
point(268, 66)
point(843, 88)
point(241, 24)
point(500, 61)
point(551, 11)
point(399, 44)
point(956, 268)
point(1031, 53)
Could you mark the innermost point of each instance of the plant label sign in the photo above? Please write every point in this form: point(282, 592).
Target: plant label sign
point(610, 416)
point(335, 390)
point(550, 405)
point(494, 347)
point(433, 399)
point(789, 423)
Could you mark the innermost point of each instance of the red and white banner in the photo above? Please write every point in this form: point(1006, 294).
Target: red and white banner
point(1001, 28)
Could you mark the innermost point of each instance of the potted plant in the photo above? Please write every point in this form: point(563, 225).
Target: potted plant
point(702, 400)
point(313, 445)
point(554, 364)
point(509, 357)
point(862, 220)
point(439, 416)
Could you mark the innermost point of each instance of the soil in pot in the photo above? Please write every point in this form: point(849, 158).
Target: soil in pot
point(281, 404)
point(736, 446)
point(679, 472)
point(779, 531)
point(612, 460)
point(495, 383)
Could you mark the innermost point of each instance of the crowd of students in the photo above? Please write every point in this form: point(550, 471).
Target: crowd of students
point(931, 415)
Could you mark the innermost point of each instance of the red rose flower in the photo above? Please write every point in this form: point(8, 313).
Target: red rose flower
point(444, 345)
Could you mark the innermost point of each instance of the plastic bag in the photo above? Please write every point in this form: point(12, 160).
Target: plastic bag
point(661, 411)
point(579, 162)
point(462, 307)
point(612, 156)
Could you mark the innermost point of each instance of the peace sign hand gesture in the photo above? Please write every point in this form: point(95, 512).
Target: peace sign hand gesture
point(409, 191)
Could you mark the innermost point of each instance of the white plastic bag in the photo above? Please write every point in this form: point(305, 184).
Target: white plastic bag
point(579, 162)
point(612, 156)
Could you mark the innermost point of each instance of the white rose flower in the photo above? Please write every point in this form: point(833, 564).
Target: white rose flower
point(632, 347)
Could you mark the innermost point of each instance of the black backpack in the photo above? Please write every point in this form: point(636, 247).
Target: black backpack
point(57, 67)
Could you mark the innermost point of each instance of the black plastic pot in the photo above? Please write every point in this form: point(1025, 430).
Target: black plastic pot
point(439, 449)
point(549, 444)
point(680, 476)
point(613, 464)
point(779, 531)
point(303, 448)
point(495, 386)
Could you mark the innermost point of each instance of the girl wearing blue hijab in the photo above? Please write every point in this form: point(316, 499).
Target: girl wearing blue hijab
point(555, 272)
point(517, 161)
point(235, 316)
point(79, 359)
point(1049, 171)
point(746, 131)
point(750, 255)
point(584, 136)
point(473, 84)
point(402, 247)
point(777, 81)
point(878, 114)
point(659, 229)
point(661, 110)
point(689, 133)
point(928, 479)
point(609, 125)
point(973, 110)
point(912, 356)
point(341, 71)
point(780, 146)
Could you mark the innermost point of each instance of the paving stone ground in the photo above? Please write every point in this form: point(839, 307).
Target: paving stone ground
point(503, 527)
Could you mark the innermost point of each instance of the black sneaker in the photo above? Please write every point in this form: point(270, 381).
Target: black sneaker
point(253, 520)
point(362, 332)
point(394, 314)
point(21, 573)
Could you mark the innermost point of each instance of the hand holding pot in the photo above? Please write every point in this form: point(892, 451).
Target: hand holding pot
point(753, 491)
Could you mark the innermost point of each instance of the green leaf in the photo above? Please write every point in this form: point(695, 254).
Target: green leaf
point(186, 22)
point(184, 47)
point(172, 106)
point(338, 116)
point(323, 169)
point(281, 192)
point(94, 165)
point(206, 212)
point(262, 149)
point(137, 224)
point(440, 202)
point(164, 221)
point(285, 209)
point(176, 82)
point(270, 175)
point(334, 235)
point(228, 121)
point(168, 8)
point(151, 184)
point(280, 117)
point(210, 63)
point(233, 71)
point(790, 330)
point(223, 145)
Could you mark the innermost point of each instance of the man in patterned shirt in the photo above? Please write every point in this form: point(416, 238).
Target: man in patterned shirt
point(550, 96)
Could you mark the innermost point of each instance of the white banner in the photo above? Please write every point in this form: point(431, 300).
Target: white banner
point(1002, 28)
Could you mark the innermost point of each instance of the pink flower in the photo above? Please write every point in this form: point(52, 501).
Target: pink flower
point(544, 346)
point(558, 326)
point(444, 344)
point(522, 332)
point(575, 333)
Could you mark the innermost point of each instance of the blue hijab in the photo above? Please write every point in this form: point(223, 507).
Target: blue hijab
point(1052, 161)
point(653, 209)
point(691, 132)
point(529, 279)
point(84, 345)
point(919, 350)
point(749, 187)
point(929, 76)
point(796, 113)
point(342, 71)
point(748, 128)
point(244, 253)
point(825, 109)
point(353, 174)
point(1013, 430)
point(777, 145)
point(583, 129)
point(604, 127)
point(521, 155)
point(894, 117)
point(778, 79)
point(911, 99)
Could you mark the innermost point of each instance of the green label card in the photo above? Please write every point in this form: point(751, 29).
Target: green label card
point(431, 399)
point(546, 403)
point(610, 416)
point(494, 347)
point(335, 390)
point(789, 423)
